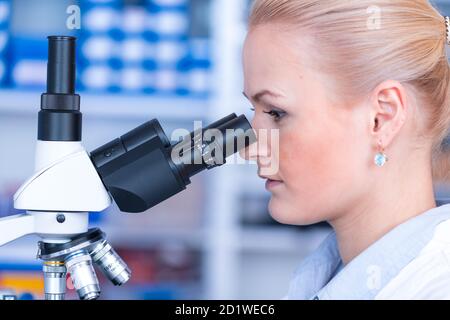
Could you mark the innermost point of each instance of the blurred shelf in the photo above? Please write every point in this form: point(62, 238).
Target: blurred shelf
point(151, 237)
point(250, 181)
point(164, 290)
point(281, 239)
point(262, 239)
point(20, 254)
point(112, 105)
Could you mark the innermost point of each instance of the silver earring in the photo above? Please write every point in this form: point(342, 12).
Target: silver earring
point(380, 158)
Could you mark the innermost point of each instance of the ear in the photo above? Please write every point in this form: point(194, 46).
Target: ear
point(389, 111)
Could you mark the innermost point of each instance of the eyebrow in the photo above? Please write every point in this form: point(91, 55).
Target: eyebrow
point(257, 97)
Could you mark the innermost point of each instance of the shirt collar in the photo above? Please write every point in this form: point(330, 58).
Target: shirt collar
point(322, 276)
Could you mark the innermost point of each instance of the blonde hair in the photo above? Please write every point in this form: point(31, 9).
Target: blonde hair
point(365, 42)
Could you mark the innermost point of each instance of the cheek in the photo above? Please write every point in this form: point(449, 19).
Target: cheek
point(307, 161)
point(318, 171)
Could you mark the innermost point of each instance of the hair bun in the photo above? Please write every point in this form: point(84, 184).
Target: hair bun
point(447, 25)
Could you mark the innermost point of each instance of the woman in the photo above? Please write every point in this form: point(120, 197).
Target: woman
point(358, 92)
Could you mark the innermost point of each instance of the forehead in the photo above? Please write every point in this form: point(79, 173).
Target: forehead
point(273, 56)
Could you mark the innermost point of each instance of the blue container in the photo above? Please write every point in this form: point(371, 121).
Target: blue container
point(5, 15)
point(99, 43)
point(97, 77)
point(29, 63)
point(87, 4)
point(141, 49)
point(168, 24)
point(164, 5)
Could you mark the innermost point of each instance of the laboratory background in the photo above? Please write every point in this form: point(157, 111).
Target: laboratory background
point(178, 61)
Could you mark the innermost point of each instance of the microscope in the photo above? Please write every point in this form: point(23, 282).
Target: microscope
point(137, 171)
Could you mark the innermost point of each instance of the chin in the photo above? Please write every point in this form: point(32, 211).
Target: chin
point(285, 212)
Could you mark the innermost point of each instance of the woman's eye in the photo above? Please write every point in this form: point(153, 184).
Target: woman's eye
point(277, 115)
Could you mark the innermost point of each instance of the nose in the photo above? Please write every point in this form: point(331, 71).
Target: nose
point(250, 153)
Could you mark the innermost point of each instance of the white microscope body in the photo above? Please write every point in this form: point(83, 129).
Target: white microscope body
point(58, 197)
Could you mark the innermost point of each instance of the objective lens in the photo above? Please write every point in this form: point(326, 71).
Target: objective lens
point(83, 276)
point(54, 280)
point(111, 263)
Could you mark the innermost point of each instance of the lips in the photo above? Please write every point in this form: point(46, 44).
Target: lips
point(271, 181)
point(272, 184)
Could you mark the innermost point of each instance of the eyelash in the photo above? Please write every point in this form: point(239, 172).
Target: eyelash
point(277, 115)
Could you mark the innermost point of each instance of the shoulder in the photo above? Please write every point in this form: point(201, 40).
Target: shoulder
point(428, 275)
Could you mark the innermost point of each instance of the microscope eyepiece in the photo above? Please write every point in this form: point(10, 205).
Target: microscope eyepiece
point(210, 147)
point(60, 118)
point(141, 168)
point(61, 65)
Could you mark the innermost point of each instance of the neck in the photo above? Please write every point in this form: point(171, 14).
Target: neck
point(398, 195)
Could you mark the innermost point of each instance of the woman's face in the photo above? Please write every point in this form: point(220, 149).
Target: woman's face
point(324, 151)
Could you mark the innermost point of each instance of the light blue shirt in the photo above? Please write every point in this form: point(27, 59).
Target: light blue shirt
point(322, 276)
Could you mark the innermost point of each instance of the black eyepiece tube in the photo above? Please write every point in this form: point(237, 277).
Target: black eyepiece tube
point(222, 121)
point(211, 147)
point(188, 139)
point(60, 118)
point(237, 134)
point(61, 65)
